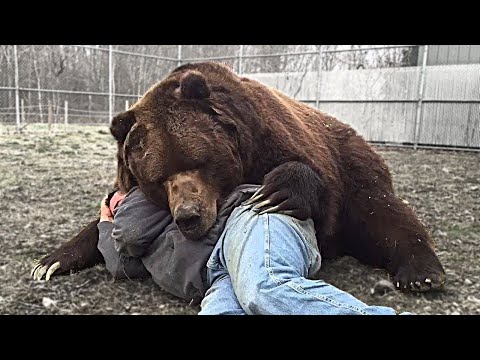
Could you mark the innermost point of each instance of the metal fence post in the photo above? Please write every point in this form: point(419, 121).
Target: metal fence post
point(66, 112)
point(22, 109)
point(240, 60)
point(421, 89)
point(126, 105)
point(110, 84)
point(50, 115)
point(319, 76)
point(17, 88)
point(179, 55)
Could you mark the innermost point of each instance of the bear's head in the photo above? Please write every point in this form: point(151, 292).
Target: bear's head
point(182, 143)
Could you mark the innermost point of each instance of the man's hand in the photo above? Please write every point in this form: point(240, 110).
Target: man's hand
point(105, 212)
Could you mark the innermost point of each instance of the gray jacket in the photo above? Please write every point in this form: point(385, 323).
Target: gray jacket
point(143, 240)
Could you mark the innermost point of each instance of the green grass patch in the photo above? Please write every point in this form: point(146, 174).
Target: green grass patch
point(461, 230)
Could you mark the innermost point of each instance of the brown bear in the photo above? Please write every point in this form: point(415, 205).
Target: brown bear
point(225, 130)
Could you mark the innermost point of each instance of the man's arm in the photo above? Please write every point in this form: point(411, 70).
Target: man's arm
point(119, 265)
point(127, 234)
point(137, 223)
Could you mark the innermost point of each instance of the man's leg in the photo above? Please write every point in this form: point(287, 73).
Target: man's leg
point(270, 258)
point(220, 299)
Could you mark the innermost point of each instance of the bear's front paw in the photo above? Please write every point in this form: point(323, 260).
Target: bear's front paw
point(56, 263)
point(292, 189)
point(409, 278)
point(79, 253)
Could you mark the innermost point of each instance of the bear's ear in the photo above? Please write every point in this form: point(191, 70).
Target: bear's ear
point(194, 86)
point(121, 125)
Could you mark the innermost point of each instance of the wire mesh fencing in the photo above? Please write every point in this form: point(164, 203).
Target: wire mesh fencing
point(401, 95)
point(46, 87)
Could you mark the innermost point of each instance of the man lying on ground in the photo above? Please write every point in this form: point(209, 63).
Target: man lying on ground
point(260, 264)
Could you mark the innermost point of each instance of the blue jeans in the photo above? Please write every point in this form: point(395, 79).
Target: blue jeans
point(268, 264)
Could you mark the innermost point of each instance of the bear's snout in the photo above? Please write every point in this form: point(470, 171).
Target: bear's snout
point(188, 217)
point(193, 203)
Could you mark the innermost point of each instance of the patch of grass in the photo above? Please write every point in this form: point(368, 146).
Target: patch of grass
point(43, 148)
point(59, 188)
point(461, 230)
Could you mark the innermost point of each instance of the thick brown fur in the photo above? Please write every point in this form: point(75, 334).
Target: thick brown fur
point(235, 130)
point(79, 253)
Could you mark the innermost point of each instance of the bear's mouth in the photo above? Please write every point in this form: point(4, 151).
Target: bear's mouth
point(190, 224)
point(195, 226)
point(192, 232)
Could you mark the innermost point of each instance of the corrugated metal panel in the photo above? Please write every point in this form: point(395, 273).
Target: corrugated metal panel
point(442, 55)
point(390, 122)
point(474, 54)
point(464, 54)
point(432, 55)
point(453, 54)
point(441, 124)
point(453, 82)
point(450, 124)
point(371, 84)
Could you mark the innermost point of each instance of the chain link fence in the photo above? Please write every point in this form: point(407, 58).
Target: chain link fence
point(402, 95)
point(45, 87)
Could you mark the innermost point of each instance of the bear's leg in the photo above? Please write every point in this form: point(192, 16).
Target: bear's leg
point(79, 253)
point(381, 230)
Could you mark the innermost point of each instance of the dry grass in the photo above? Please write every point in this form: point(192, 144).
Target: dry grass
point(51, 184)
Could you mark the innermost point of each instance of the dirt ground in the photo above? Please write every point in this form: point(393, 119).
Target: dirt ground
point(50, 185)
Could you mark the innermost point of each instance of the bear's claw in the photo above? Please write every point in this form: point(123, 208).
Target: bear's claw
point(269, 210)
point(260, 205)
point(416, 282)
point(256, 196)
point(39, 271)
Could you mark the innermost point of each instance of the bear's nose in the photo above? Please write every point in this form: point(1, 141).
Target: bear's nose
point(187, 217)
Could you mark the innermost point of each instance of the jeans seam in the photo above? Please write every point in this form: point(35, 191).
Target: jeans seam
point(292, 286)
point(326, 299)
point(267, 249)
point(313, 250)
